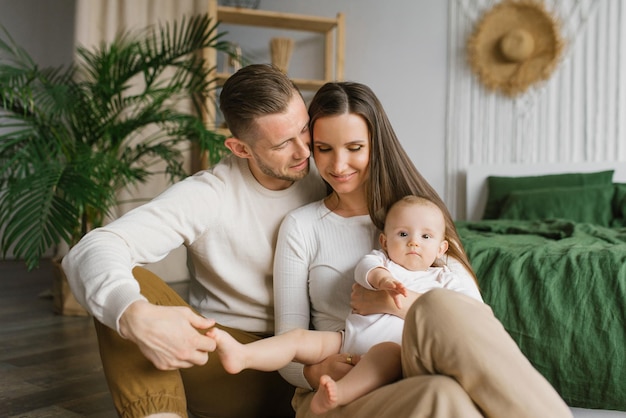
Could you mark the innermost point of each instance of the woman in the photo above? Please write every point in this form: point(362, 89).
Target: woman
point(457, 359)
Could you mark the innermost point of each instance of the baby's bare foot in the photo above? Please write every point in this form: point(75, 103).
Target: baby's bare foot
point(326, 397)
point(229, 350)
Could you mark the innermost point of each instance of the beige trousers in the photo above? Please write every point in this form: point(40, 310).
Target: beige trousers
point(458, 362)
point(139, 389)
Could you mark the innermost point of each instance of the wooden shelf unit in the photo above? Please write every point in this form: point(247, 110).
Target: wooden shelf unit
point(333, 29)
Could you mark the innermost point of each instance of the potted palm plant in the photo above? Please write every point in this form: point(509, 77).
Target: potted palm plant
point(72, 137)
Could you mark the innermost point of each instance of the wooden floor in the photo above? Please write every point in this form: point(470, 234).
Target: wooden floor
point(49, 364)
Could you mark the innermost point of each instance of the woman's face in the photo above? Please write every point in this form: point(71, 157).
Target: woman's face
point(341, 148)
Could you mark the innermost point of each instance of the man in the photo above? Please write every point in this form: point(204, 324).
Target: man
point(155, 359)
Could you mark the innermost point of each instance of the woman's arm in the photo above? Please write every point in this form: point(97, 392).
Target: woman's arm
point(291, 295)
point(292, 262)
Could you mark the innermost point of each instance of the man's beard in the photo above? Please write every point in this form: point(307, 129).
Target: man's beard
point(268, 171)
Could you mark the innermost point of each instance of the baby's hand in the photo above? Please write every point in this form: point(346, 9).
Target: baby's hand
point(396, 289)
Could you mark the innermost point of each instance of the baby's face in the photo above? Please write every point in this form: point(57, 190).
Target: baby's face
point(414, 235)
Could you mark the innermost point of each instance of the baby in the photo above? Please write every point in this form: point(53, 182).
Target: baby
point(413, 242)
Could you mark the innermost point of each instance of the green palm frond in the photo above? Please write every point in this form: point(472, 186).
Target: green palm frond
point(34, 217)
point(72, 137)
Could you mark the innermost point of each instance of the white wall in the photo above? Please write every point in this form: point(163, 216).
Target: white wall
point(44, 28)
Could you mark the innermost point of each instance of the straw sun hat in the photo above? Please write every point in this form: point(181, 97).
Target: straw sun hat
point(515, 45)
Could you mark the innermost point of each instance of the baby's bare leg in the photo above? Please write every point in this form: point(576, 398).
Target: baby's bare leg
point(273, 353)
point(326, 397)
point(232, 353)
point(380, 366)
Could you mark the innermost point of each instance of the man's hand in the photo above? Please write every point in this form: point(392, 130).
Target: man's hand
point(167, 335)
point(336, 366)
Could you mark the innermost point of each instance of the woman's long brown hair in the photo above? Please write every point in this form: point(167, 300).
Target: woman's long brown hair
point(392, 173)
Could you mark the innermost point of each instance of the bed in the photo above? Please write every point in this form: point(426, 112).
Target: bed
point(548, 244)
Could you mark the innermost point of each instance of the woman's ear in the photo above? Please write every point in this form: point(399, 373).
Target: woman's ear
point(238, 147)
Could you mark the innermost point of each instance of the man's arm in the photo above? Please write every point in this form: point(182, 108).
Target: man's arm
point(99, 267)
point(167, 336)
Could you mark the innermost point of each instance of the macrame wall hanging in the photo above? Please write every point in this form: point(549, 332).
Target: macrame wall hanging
point(516, 44)
point(570, 111)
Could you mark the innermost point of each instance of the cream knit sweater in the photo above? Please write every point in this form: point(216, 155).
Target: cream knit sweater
point(229, 224)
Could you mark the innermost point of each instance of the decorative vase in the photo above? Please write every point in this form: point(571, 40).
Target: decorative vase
point(281, 50)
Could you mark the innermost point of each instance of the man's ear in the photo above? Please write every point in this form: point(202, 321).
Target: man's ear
point(238, 147)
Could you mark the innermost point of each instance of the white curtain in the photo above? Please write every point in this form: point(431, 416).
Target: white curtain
point(100, 21)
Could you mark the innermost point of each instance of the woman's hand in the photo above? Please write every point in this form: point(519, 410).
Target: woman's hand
point(336, 366)
point(367, 302)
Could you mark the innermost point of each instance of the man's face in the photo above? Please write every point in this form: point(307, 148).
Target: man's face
point(280, 153)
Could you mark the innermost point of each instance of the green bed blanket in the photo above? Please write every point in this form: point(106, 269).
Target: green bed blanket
point(559, 289)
